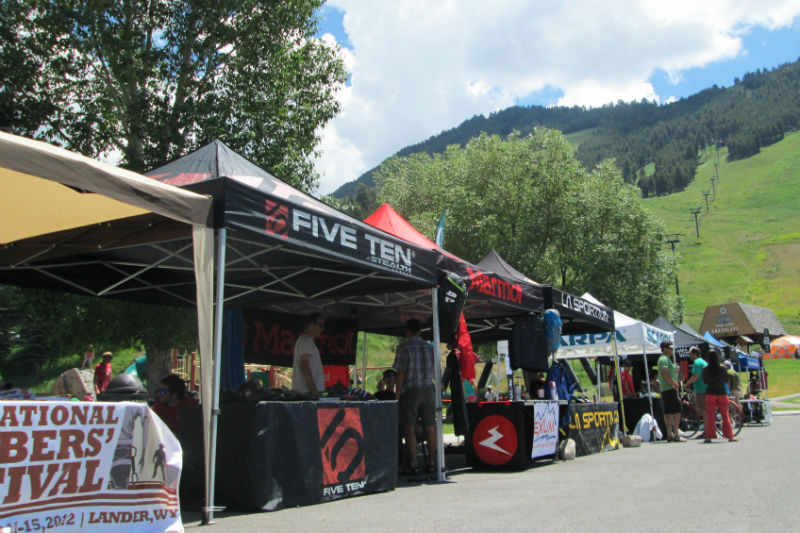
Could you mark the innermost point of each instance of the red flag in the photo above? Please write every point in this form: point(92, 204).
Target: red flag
point(466, 357)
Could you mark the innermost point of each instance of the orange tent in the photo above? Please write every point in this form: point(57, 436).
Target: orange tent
point(786, 347)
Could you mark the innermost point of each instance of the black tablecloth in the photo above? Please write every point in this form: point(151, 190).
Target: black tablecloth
point(501, 435)
point(272, 455)
point(594, 427)
point(635, 408)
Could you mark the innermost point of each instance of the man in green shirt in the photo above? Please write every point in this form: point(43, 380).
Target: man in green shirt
point(668, 380)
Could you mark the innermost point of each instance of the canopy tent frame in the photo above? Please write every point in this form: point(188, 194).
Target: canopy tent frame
point(94, 194)
point(278, 272)
point(643, 345)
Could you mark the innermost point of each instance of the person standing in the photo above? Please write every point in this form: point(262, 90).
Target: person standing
point(491, 395)
point(171, 400)
point(697, 383)
point(102, 373)
point(88, 358)
point(668, 383)
point(716, 379)
point(414, 362)
point(628, 389)
point(307, 375)
point(734, 381)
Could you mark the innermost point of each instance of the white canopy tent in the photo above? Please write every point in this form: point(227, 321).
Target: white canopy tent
point(50, 197)
point(632, 337)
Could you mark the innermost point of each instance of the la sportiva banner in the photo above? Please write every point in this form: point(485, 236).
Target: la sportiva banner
point(594, 427)
point(87, 466)
point(269, 338)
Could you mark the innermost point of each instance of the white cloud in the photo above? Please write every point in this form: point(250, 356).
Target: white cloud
point(419, 67)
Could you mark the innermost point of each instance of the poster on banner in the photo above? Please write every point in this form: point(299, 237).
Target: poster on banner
point(269, 339)
point(87, 466)
point(545, 429)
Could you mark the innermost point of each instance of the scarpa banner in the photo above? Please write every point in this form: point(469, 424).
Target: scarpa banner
point(87, 466)
point(545, 429)
point(594, 427)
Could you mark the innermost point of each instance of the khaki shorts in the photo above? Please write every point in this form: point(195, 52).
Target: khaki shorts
point(418, 403)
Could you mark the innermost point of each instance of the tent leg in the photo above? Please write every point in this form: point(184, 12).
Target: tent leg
point(437, 367)
point(363, 362)
point(211, 457)
point(619, 383)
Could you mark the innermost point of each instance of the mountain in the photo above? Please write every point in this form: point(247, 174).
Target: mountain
point(749, 245)
point(656, 146)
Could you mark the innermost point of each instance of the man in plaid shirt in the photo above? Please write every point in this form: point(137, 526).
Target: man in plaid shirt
point(415, 389)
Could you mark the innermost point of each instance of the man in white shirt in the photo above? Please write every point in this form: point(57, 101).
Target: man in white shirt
point(307, 375)
point(491, 395)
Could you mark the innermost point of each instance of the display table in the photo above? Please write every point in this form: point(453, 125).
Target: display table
point(757, 411)
point(511, 434)
point(594, 427)
point(272, 455)
point(635, 408)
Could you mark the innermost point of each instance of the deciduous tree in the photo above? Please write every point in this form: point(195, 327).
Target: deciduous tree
point(530, 200)
point(154, 80)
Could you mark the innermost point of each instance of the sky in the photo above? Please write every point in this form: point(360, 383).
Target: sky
point(420, 67)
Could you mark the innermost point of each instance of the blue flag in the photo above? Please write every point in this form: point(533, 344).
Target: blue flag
point(440, 230)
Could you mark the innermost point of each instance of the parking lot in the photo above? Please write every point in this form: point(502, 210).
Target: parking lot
point(750, 485)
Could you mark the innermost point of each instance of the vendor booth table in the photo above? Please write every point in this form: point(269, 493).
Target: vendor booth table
point(757, 412)
point(594, 427)
point(277, 454)
point(511, 434)
point(635, 408)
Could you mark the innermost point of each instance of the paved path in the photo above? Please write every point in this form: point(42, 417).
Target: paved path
point(750, 485)
point(777, 401)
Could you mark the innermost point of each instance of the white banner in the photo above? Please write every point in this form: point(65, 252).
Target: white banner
point(545, 429)
point(87, 466)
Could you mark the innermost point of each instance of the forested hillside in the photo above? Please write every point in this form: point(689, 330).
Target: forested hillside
point(656, 146)
point(748, 249)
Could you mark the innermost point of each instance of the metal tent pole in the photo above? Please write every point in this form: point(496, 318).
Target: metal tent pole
point(644, 355)
point(211, 459)
point(363, 362)
point(619, 381)
point(437, 368)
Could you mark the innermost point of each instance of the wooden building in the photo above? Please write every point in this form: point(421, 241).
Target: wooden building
point(729, 321)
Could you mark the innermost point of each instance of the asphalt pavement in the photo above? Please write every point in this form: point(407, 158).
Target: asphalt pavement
point(745, 486)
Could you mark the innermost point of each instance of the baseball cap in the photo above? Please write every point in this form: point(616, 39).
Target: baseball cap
point(666, 344)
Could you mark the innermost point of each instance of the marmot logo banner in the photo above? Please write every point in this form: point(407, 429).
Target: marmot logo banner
point(342, 450)
point(277, 219)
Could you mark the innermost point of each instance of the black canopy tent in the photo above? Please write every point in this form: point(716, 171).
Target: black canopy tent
point(684, 340)
point(494, 298)
point(578, 315)
point(276, 248)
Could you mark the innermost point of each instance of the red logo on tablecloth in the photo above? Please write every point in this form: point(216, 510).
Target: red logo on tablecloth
point(277, 219)
point(341, 444)
point(495, 440)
